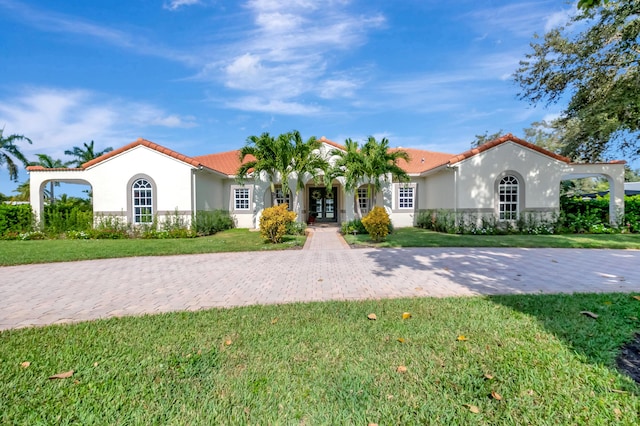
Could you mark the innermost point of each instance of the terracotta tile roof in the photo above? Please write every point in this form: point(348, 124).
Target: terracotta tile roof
point(223, 162)
point(332, 143)
point(227, 163)
point(57, 169)
point(148, 144)
point(421, 160)
point(506, 138)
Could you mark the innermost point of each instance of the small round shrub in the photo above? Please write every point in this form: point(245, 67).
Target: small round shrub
point(274, 222)
point(377, 223)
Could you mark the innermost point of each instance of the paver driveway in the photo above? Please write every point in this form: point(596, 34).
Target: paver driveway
point(326, 270)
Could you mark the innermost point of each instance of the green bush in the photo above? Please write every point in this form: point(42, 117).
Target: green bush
point(353, 226)
point(15, 219)
point(377, 223)
point(274, 222)
point(296, 228)
point(211, 222)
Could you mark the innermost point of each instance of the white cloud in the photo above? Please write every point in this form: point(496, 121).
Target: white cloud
point(274, 106)
point(288, 52)
point(57, 119)
point(177, 4)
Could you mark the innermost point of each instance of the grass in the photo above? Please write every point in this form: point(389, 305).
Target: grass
point(325, 363)
point(45, 251)
point(416, 237)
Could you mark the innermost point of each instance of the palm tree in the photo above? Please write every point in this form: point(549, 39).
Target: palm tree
point(306, 160)
point(374, 164)
point(382, 162)
point(47, 162)
point(9, 151)
point(350, 164)
point(82, 155)
point(272, 156)
point(22, 191)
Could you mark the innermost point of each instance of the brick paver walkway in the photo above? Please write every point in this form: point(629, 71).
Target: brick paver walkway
point(325, 270)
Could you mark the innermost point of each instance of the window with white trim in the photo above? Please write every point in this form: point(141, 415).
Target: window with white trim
point(406, 195)
point(363, 199)
point(142, 197)
point(241, 198)
point(281, 199)
point(508, 198)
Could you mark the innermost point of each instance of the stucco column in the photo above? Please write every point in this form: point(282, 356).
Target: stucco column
point(616, 198)
point(349, 210)
point(36, 196)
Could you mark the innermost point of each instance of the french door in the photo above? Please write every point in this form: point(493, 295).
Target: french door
point(323, 204)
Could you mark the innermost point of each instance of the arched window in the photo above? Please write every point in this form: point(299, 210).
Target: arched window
point(142, 197)
point(508, 198)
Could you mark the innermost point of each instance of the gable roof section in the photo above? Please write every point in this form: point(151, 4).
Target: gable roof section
point(223, 162)
point(506, 138)
point(148, 144)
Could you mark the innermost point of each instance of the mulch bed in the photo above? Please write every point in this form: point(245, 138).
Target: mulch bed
point(629, 359)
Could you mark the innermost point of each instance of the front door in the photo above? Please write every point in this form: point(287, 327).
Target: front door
point(323, 204)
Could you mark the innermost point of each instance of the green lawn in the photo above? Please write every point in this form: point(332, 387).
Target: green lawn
point(416, 237)
point(44, 251)
point(327, 364)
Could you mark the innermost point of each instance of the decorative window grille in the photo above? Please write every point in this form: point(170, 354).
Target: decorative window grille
point(142, 196)
point(508, 198)
point(241, 198)
point(405, 197)
point(281, 199)
point(363, 199)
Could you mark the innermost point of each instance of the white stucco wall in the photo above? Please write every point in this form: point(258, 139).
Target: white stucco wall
point(476, 177)
point(437, 191)
point(210, 191)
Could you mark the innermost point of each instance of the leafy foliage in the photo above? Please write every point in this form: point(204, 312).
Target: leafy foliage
point(274, 222)
point(15, 219)
point(598, 69)
point(211, 222)
point(377, 222)
point(9, 153)
point(83, 155)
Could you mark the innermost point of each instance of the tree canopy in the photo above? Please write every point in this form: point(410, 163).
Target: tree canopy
point(592, 62)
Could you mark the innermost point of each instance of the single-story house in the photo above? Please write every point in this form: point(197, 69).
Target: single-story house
point(504, 178)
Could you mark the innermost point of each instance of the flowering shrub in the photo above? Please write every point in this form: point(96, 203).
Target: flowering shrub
point(33, 235)
point(274, 222)
point(377, 223)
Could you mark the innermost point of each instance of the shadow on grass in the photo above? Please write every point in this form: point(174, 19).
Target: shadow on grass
point(601, 282)
point(596, 341)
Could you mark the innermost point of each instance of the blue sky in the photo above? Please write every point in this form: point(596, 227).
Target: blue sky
point(200, 76)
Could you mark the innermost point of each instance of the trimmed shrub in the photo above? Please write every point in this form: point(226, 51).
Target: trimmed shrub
point(353, 226)
point(211, 222)
point(274, 222)
point(377, 223)
point(15, 220)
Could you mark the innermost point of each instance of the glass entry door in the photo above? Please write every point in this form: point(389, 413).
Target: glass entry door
point(323, 204)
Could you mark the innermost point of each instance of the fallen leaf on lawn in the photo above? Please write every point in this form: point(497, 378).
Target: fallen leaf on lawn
point(618, 391)
point(488, 376)
point(76, 382)
point(617, 412)
point(400, 339)
point(406, 315)
point(372, 424)
point(25, 364)
point(636, 297)
point(95, 364)
point(495, 395)
point(372, 317)
point(275, 320)
point(64, 375)
point(401, 369)
point(228, 342)
point(607, 302)
point(472, 408)
point(462, 338)
point(589, 314)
